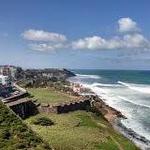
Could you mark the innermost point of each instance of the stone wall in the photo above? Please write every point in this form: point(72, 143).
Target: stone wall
point(65, 107)
point(15, 97)
point(24, 109)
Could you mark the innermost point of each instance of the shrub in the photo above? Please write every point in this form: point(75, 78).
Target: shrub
point(21, 145)
point(43, 121)
point(5, 134)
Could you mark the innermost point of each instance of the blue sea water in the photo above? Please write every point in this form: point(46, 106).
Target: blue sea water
point(127, 91)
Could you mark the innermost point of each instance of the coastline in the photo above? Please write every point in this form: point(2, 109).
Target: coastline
point(114, 117)
point(138, 140)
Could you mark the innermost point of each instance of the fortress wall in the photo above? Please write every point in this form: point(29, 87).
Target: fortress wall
point(65, 107)
point(24, 109)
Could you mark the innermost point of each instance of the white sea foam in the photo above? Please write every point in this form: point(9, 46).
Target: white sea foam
point(117, 94)
point(113, 100)
point(137, 87)
point(131, 101)
point(88, 76)
point(138, 128)
point(113, 97)
point(106, 93)
point(105, 85)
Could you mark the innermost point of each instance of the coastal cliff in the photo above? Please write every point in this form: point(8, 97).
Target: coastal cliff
point(109, 113)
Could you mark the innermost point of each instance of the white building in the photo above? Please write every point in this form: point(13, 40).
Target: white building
point(4, 80)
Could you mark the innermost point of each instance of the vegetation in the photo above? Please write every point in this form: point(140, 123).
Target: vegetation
point(48, 95)
point(43, 121)
point(76, 130)
point(80, 130)
point(42, 77)
point(15, 135)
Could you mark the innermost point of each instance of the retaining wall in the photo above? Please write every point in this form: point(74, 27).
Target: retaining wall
point(65, 107)
point(24, 109)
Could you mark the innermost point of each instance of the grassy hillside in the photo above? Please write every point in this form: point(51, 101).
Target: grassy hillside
point(47, 95)
point(15, 135)
point(80, 130)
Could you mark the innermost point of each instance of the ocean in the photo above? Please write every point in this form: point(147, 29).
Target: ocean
point(126, 91)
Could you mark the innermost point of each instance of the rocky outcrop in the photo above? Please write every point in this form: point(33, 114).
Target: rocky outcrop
point(129, 133)
point(108, 112)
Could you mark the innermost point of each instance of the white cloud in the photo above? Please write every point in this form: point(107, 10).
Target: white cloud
point(131, 39)
point(43, 47)
point(136, 41)
point(94, 42)
point(44, 41)
point(127, 41)
point(127, 25)
point(40, 35)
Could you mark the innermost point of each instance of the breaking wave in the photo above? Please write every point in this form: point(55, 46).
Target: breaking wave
point(88, 76)
point(130, 101)
point(137, 87)
point(105, 85)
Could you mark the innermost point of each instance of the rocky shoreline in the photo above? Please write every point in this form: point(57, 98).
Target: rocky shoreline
point(114, 117)
point(109, 113)
point(139, 140)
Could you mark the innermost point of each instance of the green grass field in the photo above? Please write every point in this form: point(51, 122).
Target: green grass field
point(47, 95)
point(80, 130)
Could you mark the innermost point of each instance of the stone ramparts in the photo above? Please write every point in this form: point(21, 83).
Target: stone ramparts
point(64, 107)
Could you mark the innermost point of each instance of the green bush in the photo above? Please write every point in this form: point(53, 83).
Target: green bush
point(43, 121)
point(5, 134)
point(21, 145)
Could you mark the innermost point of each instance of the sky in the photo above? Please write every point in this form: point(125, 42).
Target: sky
point(75, 34)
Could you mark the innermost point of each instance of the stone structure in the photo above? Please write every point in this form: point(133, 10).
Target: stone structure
point(15, 97)
point(23, 107)
point(65, 107)
point(20, 104)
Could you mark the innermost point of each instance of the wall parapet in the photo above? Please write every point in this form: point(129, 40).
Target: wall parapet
point(64, 107)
